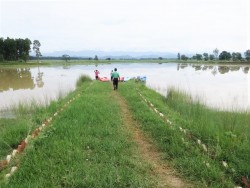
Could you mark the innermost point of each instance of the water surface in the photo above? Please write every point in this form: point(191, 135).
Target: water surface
point(219, 86)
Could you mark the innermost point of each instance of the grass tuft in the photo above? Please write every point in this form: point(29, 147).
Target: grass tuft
point(82, 79)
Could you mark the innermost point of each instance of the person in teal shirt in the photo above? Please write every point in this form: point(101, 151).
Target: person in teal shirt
point(116, 78)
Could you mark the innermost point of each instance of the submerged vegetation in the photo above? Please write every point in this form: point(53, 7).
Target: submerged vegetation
point(87, 145)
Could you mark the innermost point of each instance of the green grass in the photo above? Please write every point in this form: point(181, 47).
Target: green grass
point(226, 134)
point(11, 132)
point(82, 79)
point(86, 146)
point(27, 118)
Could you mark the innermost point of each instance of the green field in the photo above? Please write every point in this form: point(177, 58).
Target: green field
point(89, 142)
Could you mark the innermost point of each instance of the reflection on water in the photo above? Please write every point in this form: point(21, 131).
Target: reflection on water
point(25, 85)
point(16, 79)
point(219, 86)
point(215, 68)
point(20, 78)
point(39, 78)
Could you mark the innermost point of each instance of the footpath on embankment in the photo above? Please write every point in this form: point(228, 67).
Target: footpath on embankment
point(99, 137)
point(91, 141)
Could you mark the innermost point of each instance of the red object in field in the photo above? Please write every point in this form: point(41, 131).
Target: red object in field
point(104, 79)
point(23, 144)
point(121, 79)
point(19, 149)
point(3, 164)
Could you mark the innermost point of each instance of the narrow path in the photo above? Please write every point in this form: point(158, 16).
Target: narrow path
point(166, 176)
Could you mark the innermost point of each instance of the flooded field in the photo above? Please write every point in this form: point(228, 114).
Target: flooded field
point(219, 86)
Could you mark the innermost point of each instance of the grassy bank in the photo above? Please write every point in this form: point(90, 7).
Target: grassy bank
point(206, 145)
point(86, 145)
point(26, 118)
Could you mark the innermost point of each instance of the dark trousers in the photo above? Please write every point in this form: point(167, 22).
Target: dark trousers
point(115, 83)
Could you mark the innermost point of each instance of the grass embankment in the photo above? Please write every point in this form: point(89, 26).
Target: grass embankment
point(28, 117)
point(223, 136)
point(86, 145)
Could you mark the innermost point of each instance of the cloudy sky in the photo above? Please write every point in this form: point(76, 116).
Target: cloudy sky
point(186, 26)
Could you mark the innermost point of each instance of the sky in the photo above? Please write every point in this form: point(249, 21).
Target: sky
point(185, 26)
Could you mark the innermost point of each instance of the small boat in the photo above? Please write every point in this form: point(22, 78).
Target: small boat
point(104, 79)
point(121, 79)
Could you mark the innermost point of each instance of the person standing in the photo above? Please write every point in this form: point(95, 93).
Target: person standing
point(96, 74)
point(111, 75)
point(116, 78)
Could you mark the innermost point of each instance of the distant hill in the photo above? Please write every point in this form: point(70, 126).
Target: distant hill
point(112, 54)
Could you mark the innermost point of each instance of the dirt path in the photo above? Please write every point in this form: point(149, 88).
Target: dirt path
point(166, 176)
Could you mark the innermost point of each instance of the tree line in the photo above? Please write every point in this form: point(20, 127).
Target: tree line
point(14, 49)
point(18, 49)
point(224, 55)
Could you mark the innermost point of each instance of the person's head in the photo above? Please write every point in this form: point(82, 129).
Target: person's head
point(115, 69)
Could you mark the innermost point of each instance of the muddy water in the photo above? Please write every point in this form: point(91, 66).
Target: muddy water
point(224, 87)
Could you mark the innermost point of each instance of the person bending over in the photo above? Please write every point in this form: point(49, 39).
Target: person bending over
point(96, 74)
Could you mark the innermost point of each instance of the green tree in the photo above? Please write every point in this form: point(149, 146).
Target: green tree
point(205, 55)
point(26, 49)
point(211, 57)
point(23, 48)
point(36, 48)
point(96, 58)
point(14, 49)
point(1, 49)
point(10, 49)
point(198, 57)
point(236, 56)
point(224, 55)
point(66, 57)
point(216, 53)
point(183, 57)
point(179, 56)
point(19, 46)
point(247, 55)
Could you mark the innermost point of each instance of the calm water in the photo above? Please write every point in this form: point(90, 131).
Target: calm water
point(223, 87)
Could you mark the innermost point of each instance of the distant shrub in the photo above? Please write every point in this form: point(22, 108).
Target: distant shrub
point(82, 79)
